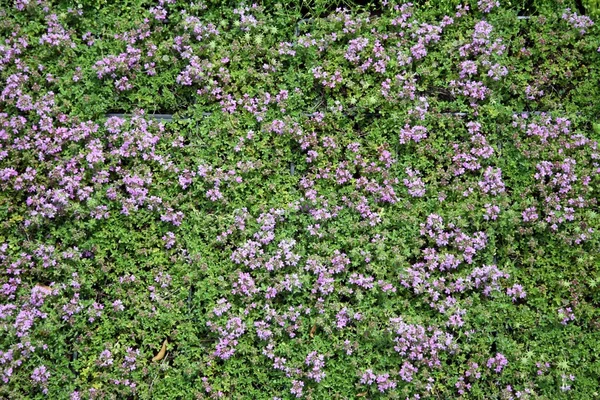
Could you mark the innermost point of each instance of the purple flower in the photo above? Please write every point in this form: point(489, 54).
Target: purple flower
point(414, 342)
point(419, 51)
point(262, 330)
point(297, 387)
point(123, 84)
point(491, 212)
point(384, 382)
point(416, 187)
point(56, 34)
point(492, 181)
point(222, 307)
point(407, 371)
point(245, 285)
point(342, 318)
point(368, 377)
point(129, 363)
point(516, 291)
point(497, 362)
point(169, 240)
point(467, 68)
point(317, 362)
point(566, 314)
point(485, 6)
point(581, 22)
point(497, 71)
point(416, 133)
point(106, 358)
point(118, 305)
point(530, 214)
point(40, 374)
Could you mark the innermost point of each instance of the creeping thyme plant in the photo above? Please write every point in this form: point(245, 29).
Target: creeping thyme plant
point(385, 201)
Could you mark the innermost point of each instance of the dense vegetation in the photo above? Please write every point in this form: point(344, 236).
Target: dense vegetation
point(391, 200)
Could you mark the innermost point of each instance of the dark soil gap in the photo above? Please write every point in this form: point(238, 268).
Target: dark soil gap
point(375, 7)
point(527, 9)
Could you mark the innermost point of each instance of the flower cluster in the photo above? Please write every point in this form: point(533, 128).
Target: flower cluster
point(498, 362)
point(283, 227)
point(566, 314)
point(383, 381)
point(415, 185)
point(579, 22)
point(413, 342)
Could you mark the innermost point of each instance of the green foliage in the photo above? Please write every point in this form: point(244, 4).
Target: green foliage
point(118, 286)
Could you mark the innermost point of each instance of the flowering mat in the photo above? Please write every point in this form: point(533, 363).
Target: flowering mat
point(322, 201)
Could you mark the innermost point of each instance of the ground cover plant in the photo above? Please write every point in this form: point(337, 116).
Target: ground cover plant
point(393, 200)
